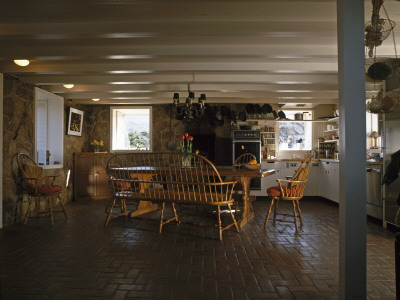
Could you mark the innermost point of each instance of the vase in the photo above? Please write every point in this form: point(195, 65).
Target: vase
point(186, 161)
point(97, 148)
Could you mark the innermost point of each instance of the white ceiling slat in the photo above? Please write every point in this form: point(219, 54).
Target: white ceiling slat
point(141, 51)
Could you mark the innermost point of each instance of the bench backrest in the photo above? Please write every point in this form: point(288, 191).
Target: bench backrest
point(162, 175)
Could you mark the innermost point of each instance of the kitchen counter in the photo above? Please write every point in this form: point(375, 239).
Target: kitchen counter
point(329, 160)
point(288, 159)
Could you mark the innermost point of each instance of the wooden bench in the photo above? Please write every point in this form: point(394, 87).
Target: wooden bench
point(160, 177)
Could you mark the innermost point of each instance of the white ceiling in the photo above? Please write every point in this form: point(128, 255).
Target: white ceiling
point(143, 51)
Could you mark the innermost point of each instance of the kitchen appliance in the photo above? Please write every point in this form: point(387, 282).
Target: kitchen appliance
point(392, 145)
point(248, 141)
point(374, 191)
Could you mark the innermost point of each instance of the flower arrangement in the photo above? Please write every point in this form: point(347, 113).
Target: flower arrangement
point(186, 143)
point(185, 146)
point(97, 145)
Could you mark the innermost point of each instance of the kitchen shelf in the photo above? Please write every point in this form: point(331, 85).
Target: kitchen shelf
point(330, 141)
point(332, 130)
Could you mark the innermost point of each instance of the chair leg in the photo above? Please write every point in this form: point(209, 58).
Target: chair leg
point(269, 212)
point(298, 208)
point(219, 223)
point(63, 208)
point(49, 200)
point(162, 216)
point(123, 210)
point(28, 209)
point(276, 208)
point(109, 213)
point(295, 215)
point(233, 218)
point(175, 214)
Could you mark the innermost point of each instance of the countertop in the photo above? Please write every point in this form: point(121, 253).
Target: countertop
point(369, 161)
point(288, 159)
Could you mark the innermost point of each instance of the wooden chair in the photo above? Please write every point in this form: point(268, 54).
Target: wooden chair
point(36, 187)
point(239, 162)
point(291, 190)
point(116, 202)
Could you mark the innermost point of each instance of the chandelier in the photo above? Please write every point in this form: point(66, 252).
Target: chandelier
point(189, 110)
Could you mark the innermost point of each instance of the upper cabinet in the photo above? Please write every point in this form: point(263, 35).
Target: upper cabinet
point(49, 129)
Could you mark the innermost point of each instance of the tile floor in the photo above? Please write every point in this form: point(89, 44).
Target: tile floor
point(79, 258)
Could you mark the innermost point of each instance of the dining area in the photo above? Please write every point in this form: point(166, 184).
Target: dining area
point(180, 179)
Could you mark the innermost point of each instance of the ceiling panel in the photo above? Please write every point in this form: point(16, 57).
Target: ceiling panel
point(143, 51)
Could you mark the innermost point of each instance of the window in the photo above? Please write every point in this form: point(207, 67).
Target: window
point(373, 127)
point(49, 128)
point(131, 128)
point(295, 135)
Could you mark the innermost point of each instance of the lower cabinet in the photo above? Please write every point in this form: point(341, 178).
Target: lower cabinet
point(90, 178)
point(312, 186)
point(329, 181)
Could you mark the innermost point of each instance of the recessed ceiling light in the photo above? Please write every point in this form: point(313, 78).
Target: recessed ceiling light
point(96, 99)
point(21, 62)
point(68, 85)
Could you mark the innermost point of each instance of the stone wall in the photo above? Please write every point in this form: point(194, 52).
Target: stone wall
point(18, 124)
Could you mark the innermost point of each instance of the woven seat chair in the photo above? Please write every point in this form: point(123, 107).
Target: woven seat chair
point(37, 188)
point(291, 190)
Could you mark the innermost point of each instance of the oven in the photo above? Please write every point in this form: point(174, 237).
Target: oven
point(248, 141)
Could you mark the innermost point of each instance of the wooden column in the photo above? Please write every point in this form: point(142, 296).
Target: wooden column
point(352, 110)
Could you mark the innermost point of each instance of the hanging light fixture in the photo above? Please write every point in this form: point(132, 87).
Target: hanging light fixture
point(189, 110)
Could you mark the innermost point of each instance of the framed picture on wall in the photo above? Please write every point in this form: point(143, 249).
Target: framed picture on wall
point(75, 122)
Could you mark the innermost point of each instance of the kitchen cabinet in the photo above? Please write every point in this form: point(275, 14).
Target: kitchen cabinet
point(329, 181)
point(90, 178)
point(312, 186)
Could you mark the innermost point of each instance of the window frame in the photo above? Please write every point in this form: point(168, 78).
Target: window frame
point(112, 122)
point(311, 124)
point(54, 127)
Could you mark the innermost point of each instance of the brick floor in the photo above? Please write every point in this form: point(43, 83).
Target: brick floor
point(79, 258)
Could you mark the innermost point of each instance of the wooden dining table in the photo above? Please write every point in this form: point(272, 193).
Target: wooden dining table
point(244, 176)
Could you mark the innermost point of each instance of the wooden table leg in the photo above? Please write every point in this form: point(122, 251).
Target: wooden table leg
point(247, 213)
point(143, 208)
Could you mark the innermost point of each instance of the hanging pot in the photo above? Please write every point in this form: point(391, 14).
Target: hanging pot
point(249, 108)
point(242, 116)
point(379, 71)
point(298, 116)
point(257, 109)
point(281, 115)
point(266, 109)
